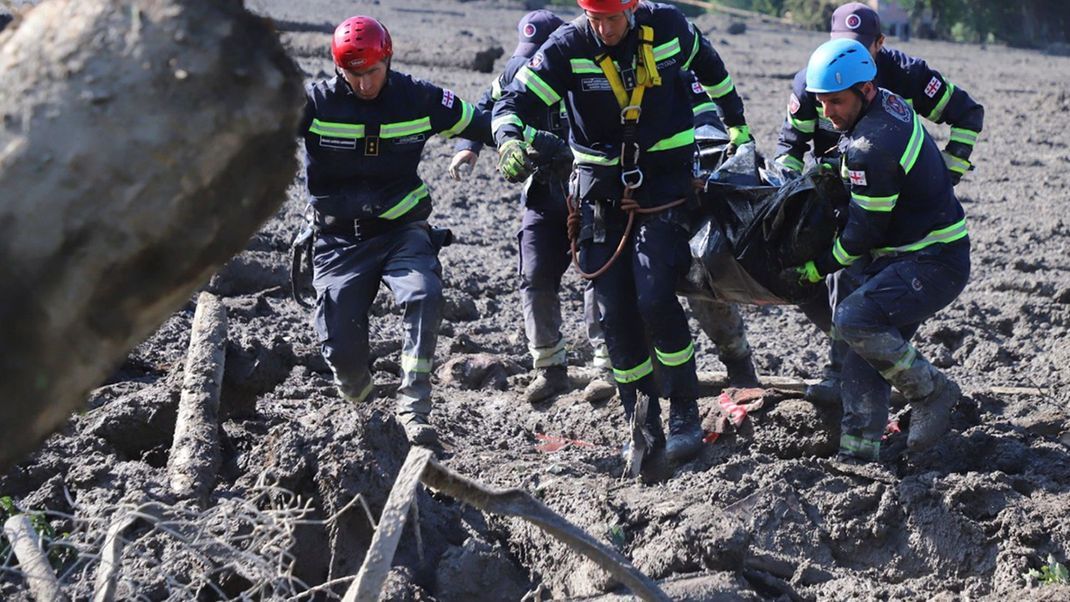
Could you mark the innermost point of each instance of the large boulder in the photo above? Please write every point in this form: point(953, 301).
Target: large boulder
point(140, 147)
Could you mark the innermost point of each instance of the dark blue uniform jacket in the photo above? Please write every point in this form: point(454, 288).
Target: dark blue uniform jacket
point(902, 199)
point(564, 68)
point(930, 95)
point(361, 155)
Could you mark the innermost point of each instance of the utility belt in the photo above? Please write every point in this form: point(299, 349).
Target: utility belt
point(362, 229)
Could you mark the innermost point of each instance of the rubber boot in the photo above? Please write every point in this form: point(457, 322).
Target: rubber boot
point(417, 429)
point(825, 393)
point(547, 383)
point(685, 431)
point(741, 374)
point(931, 415)
point(600, 389)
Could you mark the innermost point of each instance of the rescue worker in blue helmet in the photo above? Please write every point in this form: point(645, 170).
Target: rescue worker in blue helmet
point(904, 218)
point(927, 91)
point(543, 239)
point(620, 69)
point(364, 131)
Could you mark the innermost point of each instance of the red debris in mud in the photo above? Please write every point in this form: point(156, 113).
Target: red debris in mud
point(552, 443)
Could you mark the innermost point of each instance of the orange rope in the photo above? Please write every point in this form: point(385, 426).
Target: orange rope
point(572, 209)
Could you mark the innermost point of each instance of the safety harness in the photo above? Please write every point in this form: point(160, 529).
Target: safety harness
point(644, 76)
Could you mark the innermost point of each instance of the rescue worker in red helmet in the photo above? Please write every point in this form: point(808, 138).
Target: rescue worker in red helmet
point(543, 241)
point(620, 70)
point(364, 131)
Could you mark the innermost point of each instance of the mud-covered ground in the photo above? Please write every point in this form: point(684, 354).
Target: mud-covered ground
point(764, 512)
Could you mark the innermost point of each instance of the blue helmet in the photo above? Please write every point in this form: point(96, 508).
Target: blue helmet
point(837, 65)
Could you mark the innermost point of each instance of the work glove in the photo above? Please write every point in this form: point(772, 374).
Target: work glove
point(462, 163)
point(738, 135)
point(514, 162)
point(806, 273)
point(956, 167)
point(789, 164)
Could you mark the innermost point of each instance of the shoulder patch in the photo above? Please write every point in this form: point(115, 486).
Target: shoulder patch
point(896, 107)
point(536, 60)
point(447, 98)
point(793, 104)
point(933, 87)
point(697, 88)
point(857, 178)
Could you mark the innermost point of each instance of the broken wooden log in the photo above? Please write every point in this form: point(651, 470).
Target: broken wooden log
point(195, 456)
point(519, 503)
point(110, 555)
point(143, 142)
point(36, 569)
point(380, 556)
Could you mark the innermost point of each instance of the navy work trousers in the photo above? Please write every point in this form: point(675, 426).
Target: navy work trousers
point(347, 273)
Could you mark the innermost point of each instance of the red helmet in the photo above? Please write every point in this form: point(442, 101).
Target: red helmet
point(607, 7)
point(360, 42)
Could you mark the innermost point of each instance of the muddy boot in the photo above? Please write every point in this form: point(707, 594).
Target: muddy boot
point(931, 415)
point(825, 394)
point(685, 431)
point(600, 389)
point(741, 374)
point(417, 429)
point(548, 382)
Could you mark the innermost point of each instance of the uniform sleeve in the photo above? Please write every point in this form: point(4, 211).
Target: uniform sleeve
point(485, 104)
point(307, 115)
point(539, 84)
point(941, 101)
point(703, 108)
point(800, 123)
point(452, 116)
point(710, 71)
point(874, 180)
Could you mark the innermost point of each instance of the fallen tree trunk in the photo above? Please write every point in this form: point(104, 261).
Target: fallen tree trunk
point(141, 146)
point(195, 457)
point(36, 569)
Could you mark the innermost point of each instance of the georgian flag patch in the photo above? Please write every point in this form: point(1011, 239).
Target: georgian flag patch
point(933, 87)
point(697, 88)
point(793, 104)
point(858, 178)
point(447, 99)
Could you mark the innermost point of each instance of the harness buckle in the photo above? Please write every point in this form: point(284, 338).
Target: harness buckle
point(632, 178)
point(623, 112)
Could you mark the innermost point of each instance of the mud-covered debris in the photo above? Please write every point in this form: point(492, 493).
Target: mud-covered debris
point(476, 371)
point(479, 572)
point(737, 28)
point(459, 307)
point(250, 272)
